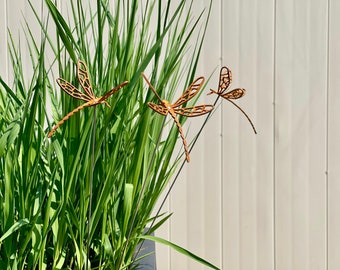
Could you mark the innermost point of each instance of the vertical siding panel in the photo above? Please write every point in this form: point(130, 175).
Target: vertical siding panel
point(230, 175)
point(179, 221)
point(3, 39)
point(317, 206)
point(213, 146)
point(282, 130)
point(196, 200)
point(205, 167)
point(300, 134)
point(187, 198)
point(334, 138)
point(35, 31)
point(248, 34)
point(14, 18)
point(19, 14)
point(262, 112)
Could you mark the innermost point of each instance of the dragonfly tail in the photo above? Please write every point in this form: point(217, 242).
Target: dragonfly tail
point(66, 117)
point(182, 135)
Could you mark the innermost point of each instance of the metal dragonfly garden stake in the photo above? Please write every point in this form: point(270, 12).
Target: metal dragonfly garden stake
point(224, 83)
point(165, 107)
point(87, 95)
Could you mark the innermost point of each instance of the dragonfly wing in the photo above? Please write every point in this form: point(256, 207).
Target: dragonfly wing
point(194, 110)
point(158, 108)
point(192, 90)
point(112, 91)
point(71, 90)
point(234, 94)
point(84, 79)
point(225, 80)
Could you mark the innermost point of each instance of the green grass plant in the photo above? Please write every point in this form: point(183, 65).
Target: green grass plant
point(83, 198)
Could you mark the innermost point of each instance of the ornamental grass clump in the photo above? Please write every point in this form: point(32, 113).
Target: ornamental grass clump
point(81, 197)
point(83, 155)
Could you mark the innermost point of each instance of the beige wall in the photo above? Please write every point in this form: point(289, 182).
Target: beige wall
point(269, 201)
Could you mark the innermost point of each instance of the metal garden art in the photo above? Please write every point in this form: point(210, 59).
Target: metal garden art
point(165, 107)
point(224, 83)
point(87, 95)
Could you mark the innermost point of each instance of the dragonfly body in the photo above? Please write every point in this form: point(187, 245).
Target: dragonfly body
point(165, 108)
point(173, 115)
point(167, 104)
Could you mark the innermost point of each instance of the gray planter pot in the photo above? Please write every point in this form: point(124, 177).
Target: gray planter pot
point(148, 262)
